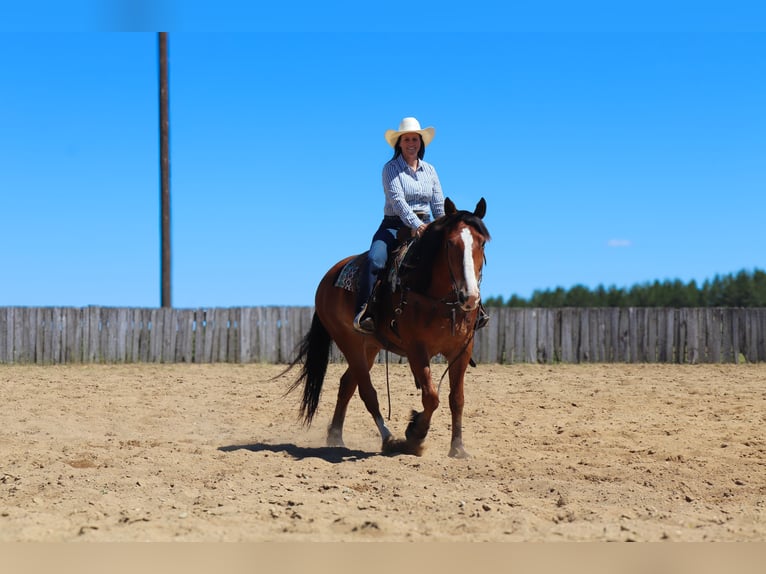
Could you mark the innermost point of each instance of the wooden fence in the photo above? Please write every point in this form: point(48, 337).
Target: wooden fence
point(54, 335)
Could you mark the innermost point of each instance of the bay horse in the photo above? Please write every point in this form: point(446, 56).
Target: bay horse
point(432, 309)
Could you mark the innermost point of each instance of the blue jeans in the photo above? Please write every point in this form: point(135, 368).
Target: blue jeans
point(382, 243)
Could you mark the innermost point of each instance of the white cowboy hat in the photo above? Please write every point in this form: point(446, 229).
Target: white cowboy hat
point(410, 125)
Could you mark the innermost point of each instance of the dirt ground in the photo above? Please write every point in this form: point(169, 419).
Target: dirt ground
point(215, 453)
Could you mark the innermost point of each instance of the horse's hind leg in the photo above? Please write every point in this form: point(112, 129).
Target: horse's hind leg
point(368, 394)
point(345, 392)
point(357, 375)
point(370, 398)
point(359, 368)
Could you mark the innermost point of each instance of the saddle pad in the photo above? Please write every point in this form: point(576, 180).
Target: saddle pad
point(348, 278)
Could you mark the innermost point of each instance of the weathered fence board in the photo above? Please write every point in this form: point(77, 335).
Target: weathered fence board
point(53, 335)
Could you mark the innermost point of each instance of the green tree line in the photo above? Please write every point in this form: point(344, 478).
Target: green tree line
point(743, 289)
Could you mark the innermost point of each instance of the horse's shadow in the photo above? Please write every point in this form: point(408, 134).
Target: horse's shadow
point(333, 454)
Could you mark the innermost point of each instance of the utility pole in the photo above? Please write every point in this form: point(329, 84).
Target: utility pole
point(164, 172)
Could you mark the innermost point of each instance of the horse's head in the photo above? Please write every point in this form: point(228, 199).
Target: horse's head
point(460, 237)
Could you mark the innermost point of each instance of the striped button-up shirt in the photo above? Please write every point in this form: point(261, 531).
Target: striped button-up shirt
point(408, 191)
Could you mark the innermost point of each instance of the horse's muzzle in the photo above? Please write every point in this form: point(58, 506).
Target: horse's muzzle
point(468, 301)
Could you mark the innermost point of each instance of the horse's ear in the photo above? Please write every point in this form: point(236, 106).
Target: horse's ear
point(481, 209)
point(449, 207)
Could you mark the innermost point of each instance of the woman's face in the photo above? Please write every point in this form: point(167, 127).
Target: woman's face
point(410, 145)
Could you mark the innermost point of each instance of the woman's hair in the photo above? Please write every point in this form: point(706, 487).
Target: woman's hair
point(398, 148)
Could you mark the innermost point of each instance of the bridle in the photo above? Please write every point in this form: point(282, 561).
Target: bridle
point(455, 289)
point(452, 301)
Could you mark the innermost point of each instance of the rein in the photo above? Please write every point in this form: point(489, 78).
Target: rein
point(388, 387)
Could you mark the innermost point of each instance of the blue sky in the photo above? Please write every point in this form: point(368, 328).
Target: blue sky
point(614, 146)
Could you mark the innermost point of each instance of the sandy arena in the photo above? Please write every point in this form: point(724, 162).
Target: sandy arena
point(215, 453)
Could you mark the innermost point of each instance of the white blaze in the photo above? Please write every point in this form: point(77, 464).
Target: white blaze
point(469, 269)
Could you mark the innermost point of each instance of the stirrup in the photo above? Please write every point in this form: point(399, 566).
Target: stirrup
point(362, 324)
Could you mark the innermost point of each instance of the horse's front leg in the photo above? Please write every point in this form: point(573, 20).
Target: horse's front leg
point(456, 402)
point(421, 422)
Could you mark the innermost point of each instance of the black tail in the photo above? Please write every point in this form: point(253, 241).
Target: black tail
point(314, 352)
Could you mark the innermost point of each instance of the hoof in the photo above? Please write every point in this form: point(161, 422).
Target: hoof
point(458, 452)
point(399, 446)
point(411, 432)
point(335, 439)
point(390, 445)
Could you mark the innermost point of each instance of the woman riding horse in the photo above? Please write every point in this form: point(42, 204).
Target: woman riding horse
point(413, 194)
point(431, 310)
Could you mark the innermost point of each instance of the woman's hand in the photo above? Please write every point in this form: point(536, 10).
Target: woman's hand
point(420, 230)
